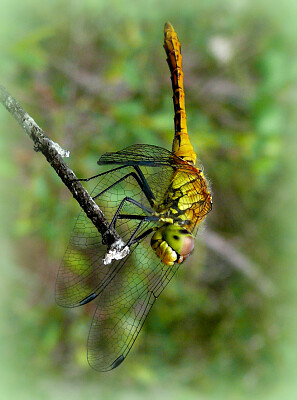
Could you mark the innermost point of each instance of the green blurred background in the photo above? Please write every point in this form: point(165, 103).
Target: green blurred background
point(93, 75)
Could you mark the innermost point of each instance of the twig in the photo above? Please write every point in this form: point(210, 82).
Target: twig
point(54, 153)
point(239, 261)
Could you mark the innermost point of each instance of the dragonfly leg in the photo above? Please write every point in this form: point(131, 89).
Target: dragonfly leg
point(145, 186)
point(139, 177)
point(101, 174)
point(140, 182)
point(117, 214)
point(130, 241)
point(129, 200)
point(142, 218)
point(140, 237)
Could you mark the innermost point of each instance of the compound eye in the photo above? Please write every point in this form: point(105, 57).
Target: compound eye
point(188, 246)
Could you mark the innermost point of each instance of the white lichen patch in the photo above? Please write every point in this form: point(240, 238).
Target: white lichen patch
point(9, 102)
point(117, 251)
point(63, 153)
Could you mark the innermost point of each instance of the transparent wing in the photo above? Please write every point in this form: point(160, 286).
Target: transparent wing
point(82, 271)
point(127, 288)
point(142, 154)
point(124, 305)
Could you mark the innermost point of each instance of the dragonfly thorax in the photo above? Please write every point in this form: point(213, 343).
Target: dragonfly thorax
point(172, 243)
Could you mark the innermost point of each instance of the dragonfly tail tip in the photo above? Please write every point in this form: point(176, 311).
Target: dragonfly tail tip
point(168, 27)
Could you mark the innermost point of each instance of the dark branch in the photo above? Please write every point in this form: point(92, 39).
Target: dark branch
point(54, 153)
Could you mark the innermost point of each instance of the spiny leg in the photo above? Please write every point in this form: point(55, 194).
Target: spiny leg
point(128, 200)
point(133, 238)
point(142, 184)
point(101, 174)
point(139, 177)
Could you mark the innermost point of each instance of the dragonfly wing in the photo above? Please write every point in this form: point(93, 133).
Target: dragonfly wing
point(82, 264)
point(82, 270)
point(123, 307)
point(140, 154)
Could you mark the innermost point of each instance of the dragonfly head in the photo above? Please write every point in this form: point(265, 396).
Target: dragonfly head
point(172, 243)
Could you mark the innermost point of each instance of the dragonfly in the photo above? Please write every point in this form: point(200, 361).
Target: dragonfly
point(156, 200)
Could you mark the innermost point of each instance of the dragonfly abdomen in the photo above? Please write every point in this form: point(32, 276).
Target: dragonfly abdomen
point(181, 144)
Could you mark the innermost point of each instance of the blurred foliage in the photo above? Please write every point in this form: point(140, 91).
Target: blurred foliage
point(93, 75)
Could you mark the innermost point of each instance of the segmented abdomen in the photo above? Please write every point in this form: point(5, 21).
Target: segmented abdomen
point(181, 144)
point(174, 60)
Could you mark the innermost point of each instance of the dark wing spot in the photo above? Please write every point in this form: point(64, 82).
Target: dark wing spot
point(117, 362)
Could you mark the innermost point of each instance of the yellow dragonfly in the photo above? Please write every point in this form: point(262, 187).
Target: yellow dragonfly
point(156, 200)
